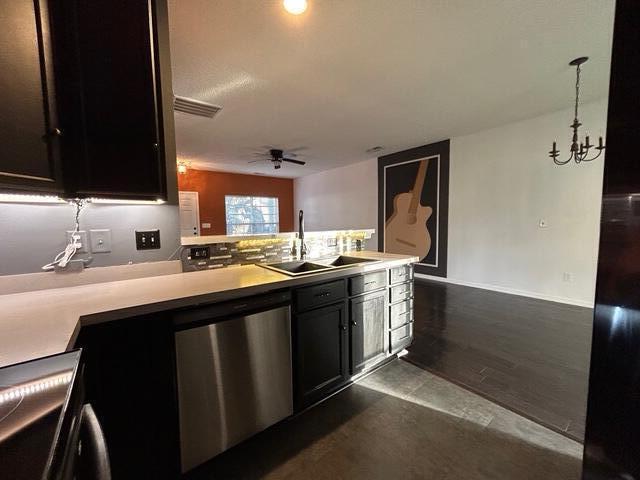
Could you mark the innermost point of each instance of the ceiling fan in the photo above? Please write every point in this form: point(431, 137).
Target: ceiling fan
point(277, 156)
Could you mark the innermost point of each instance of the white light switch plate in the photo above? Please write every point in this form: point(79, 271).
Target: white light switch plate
point(206, 225)
point(100, 240)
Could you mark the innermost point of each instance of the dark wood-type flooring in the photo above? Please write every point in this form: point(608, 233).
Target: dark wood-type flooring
point(528, 355)
point(401, 423)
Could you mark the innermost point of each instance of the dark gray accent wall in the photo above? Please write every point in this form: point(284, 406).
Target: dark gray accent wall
point(435, 193)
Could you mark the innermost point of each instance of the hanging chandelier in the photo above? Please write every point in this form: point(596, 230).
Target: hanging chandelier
point(578, 151)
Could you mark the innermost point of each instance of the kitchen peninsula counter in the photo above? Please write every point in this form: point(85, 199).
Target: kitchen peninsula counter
point(45, 322)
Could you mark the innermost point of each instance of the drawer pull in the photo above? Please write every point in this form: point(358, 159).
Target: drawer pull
point(373, 282)
point(322, 294)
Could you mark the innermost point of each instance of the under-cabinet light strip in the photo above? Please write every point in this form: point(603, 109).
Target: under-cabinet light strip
point(25, 198)
point(25, 390)
point(158, 201)
point(21, 198)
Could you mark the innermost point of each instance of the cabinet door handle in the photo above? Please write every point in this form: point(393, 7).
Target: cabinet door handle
point(354, 323)
point(54, 132)
point(343, 327)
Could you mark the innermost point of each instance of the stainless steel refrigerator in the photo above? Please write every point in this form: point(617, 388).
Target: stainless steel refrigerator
point(612, 443)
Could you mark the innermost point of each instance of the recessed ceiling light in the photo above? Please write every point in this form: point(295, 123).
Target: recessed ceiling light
point(295, 7)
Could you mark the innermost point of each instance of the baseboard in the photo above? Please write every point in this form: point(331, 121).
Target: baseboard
point(512, 291)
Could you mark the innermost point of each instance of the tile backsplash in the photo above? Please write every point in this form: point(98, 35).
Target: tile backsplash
point(212, 252)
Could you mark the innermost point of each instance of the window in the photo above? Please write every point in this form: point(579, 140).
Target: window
point(251, 215)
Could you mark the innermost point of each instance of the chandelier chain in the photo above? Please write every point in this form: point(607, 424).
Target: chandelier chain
point(577, 91)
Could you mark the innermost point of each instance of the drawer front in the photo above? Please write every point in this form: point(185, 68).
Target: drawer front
point(316, 295)
point(400, 274)
point(404, 291)
point(400, 337)
point(401, 308)
point(367, 282)
point(399, 319)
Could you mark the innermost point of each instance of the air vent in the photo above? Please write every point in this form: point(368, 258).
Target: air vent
point(195, 107)
point(375, 149)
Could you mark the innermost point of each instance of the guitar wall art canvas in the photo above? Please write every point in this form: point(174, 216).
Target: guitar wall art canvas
point(413, 201)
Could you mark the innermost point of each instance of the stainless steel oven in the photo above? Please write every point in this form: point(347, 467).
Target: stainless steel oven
point(46, 429)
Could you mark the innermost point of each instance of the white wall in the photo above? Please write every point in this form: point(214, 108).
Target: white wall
point(341, 198)
point(502, 183)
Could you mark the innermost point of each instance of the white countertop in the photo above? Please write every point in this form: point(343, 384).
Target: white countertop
point(45, 322)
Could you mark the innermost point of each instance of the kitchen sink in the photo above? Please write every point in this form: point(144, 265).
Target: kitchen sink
point(296, 268)
point(344, 261)
point(303, 267)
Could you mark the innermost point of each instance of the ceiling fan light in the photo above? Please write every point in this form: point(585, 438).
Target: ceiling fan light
point(183, 167)
point(295, 7)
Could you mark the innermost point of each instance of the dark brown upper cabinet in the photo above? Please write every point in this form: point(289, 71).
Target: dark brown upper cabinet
point(29, 144)
point(112, 134)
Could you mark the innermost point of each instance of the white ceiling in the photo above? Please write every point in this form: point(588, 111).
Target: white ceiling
point(351, 74)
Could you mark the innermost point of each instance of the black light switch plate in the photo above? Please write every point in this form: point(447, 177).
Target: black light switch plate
point(147, 239)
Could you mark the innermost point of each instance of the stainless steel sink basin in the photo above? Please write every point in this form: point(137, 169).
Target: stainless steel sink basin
point(344, 261)
point(296, 268)
point(303, 267)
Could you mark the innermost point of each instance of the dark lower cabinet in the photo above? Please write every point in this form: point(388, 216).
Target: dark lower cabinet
point(130, 382)
point(321, 353)
point(29, 147)
point(368, 330)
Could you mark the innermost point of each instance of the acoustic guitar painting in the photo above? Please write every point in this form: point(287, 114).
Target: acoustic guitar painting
point(406, 230)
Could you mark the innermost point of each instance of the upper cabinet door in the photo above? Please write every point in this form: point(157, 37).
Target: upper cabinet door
point(110, 98)
point(28, 125)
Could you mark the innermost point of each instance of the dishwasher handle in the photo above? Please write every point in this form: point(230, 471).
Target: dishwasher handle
point(207, 314)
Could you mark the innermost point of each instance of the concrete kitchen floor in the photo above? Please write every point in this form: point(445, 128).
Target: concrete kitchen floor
point(402, 422)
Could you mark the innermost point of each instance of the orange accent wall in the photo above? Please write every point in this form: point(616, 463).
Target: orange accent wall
point(213, 186)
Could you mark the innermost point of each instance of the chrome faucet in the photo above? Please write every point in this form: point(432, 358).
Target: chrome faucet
point(303, 247)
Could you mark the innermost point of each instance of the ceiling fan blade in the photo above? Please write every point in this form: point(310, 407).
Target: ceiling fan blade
point(297, 149)
point(258, 160)
point(297, 162)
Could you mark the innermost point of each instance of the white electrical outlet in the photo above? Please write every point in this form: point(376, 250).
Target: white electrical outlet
point(567, 277)
point(100, 240)
point(83, 240)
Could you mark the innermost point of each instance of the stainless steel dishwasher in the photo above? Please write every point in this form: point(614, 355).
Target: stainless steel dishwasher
point(234, 373)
